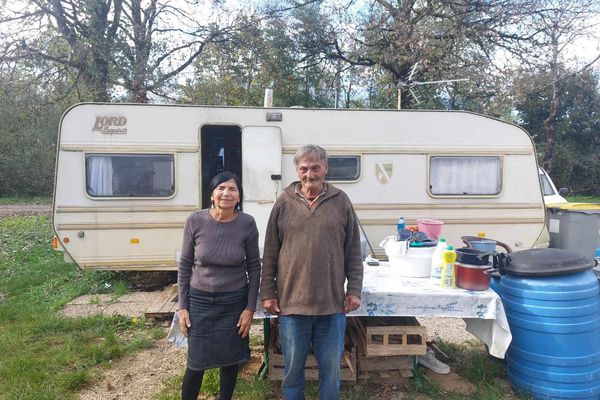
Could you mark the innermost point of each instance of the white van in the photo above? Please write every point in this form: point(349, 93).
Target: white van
point(128, 175)
point(551, 195)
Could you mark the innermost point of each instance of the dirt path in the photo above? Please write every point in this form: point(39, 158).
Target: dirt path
point(13, 210)
point(138, 376)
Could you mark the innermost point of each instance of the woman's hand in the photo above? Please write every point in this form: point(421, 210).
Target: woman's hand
point(184, 321)
point(244, 323)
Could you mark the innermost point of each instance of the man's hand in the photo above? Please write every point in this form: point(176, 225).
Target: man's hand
point(184, 321)
point(271, 306)
point(352, 303)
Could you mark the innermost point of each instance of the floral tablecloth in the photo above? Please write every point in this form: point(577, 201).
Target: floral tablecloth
point(385, 293)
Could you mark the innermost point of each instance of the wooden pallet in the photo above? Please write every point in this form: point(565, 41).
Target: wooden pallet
point(396, 340)
point(311, 371)
point(166, 305)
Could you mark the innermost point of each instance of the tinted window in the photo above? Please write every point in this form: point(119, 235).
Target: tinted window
point(464, 176)
point(343, 168)
point(546, 186)
point(130, 175)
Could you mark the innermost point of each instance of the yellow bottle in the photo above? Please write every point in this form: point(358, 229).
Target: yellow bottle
point(448, 274)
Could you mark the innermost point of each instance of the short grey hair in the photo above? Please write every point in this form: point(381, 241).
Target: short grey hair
point(308, 150)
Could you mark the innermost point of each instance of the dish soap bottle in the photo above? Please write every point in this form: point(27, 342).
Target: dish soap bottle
point(448, 279)
point(437, 262)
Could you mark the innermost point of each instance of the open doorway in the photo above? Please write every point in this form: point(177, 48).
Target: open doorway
point(221, 150)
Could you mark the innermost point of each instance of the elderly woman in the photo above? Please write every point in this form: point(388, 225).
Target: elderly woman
point(218, 279)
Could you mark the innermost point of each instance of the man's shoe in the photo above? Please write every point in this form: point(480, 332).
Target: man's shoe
point(429, 361)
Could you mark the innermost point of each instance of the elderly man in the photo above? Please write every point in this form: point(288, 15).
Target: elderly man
point(312, 246)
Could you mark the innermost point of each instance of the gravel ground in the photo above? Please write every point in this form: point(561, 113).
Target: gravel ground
point(451, 330)
point(11, 210)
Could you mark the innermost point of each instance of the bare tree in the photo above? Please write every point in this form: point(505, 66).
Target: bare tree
point(80, 36)
point(137, 44)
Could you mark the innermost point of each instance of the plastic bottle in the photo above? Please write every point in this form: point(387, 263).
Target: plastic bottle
point(448, 277)
point(597, 257)
point(437, 262)
point(400, 226)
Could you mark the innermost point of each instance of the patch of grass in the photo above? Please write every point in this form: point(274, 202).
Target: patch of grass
point(171, 389)
point(584, 199)
point(255, 389)
point(43, 200)
point(487, 373)
point(120, 288)
point(44, 355)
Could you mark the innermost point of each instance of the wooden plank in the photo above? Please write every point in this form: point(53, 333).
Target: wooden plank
point(395, 378)
point(311, 371)
point(166, 304)
point(384, 363)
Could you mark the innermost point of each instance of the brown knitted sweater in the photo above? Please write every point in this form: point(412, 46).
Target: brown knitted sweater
point(309, 253)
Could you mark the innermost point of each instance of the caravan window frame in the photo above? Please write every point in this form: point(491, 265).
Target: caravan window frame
point(171, 195)
point(352, 179)
point(500, 173)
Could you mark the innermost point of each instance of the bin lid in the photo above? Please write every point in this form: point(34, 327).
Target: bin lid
point(587, 208)
point(544, 262)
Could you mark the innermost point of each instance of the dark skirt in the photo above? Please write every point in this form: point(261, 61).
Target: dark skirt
point(213, 340)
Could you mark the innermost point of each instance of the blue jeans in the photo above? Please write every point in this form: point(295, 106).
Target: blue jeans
point(326, 335)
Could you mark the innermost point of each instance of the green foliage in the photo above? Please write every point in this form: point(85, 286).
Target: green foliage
point(28, 132)
point(576, 162)
point(42, 353)
point(584, 199)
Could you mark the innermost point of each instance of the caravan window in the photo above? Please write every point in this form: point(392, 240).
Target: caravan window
point(343, 168)
point(130, 175)
point(465, 176)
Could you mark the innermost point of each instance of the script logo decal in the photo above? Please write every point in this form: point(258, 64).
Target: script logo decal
point(110, 125)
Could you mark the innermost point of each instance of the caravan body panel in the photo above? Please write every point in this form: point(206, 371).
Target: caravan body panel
point(128, 175)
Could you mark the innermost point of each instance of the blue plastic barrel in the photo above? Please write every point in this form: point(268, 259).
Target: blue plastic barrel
point(555, 325)
point(495, 283)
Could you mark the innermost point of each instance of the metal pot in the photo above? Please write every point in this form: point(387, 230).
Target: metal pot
point(473, 277)
point(467, 255)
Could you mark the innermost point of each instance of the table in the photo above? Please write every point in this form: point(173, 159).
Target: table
point(386, 293)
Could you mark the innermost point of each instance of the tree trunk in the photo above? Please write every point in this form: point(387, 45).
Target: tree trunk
point(550, 122)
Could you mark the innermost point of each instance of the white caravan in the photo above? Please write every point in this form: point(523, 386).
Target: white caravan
point(128, 175)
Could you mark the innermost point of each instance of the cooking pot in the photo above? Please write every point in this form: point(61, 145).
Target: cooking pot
point(473, 277)
point(467, 255)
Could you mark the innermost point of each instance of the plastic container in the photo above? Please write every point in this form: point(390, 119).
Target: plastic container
point(448, 278)
point(552, 304)
point(436, 261)
point(431, 227)
point(414, 262)
point(400, 225)
point(575, 227)
point(555, 326)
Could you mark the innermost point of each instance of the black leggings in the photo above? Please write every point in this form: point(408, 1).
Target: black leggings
point(192, 381)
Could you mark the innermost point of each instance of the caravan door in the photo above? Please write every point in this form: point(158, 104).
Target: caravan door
point(261, 173)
